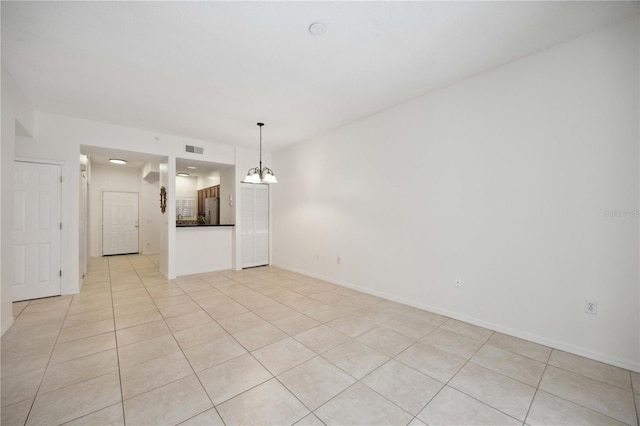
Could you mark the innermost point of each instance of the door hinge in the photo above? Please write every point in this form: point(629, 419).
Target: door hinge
point(61, 272)
point(60, 225)
point(60, 179)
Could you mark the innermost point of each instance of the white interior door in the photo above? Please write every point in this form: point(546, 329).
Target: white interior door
point(119, 223)
point(255, 225)
point(36, 235)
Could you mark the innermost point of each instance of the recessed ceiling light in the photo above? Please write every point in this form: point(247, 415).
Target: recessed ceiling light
point(191, 167)
point(117, 161)
point(183, 174)
point(317, 28)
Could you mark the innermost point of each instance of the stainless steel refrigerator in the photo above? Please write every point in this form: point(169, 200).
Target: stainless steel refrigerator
point(212, 211)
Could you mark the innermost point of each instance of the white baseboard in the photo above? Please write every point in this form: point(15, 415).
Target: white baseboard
point(555, 344)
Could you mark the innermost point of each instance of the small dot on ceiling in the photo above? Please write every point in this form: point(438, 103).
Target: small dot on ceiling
point(317, 28)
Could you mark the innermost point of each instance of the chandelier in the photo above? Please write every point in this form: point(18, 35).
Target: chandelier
point(260, 174)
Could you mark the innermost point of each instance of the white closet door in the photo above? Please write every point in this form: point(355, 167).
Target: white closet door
point(36, 230)
point(261, 224)
point(247, 222)
point(255, 225)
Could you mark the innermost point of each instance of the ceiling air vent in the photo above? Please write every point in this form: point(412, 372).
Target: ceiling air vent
point(194, 149)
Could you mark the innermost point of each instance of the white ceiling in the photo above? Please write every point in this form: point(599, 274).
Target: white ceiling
point(211, 70)
point(137, 160)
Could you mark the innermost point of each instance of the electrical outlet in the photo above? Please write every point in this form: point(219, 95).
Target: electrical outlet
point(458, 282)
point(317, 256)
point(591, 307)
point(339, 260)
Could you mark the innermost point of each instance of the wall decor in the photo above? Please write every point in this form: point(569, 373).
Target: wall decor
point(163, 199)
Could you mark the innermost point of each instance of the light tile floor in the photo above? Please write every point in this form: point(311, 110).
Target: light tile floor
point(267, 346)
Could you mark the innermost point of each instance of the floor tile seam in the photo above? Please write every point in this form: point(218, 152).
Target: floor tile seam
point(452, 386)
point(517, 353)
point(156, 387)
point(404, 409)
point(75, 339)
point(181, 350)
point(342, 369)
point(46, 368)
point(349, 387)
point(117, 306)
point(116, 339)
point(636, 391)
point(88, 414)
point(213, 407)
point(83, 304)
point(88, 322)
point(259, 347)
point(537, 390)
point(506, 375)
point(483, 341)
point(429, 402)
point(46, 311)
point(219, 325)
point(448, 383)
point(281, 329)
point(579, 405)
point(32, 398)
point(144, 339)
point(636, 400)
point(282, 384)
point(448, 351)
point(153, 358)
point(83, 338)
point(84, 356)
point(76, 383)
point(238, 394)
point(630, 390)
point(178, 315)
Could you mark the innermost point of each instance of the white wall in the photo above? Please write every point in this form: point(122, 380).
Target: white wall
point(208, 180)
point(186, 186)
point(17, 119)
point(227, 188)
point(109, 178)
point(504, 181)
point(151, 219)
point(168, 223)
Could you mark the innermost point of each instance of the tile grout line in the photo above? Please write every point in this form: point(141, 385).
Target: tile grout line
point(181, 349)
point(115, 333)
point(469, 361)
point(248, 352)
point(46, 368)
point(84, 356)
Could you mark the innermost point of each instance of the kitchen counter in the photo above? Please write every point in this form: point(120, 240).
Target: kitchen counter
point(203, 248)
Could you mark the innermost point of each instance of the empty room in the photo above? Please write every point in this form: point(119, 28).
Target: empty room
point(320, 213)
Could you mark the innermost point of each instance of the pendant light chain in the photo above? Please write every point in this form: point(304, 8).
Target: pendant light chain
point(260, 125)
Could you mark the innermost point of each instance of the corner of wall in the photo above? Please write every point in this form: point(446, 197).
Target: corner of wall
point(6, 325)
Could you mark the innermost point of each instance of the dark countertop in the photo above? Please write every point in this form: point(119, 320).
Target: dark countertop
point(196, 225)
